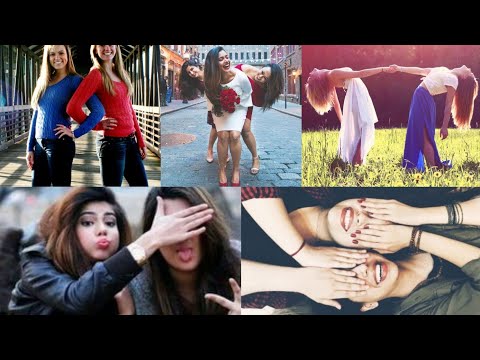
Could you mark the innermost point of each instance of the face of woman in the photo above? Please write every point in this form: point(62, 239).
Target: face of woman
point(380, 274)
point(223, 61)
point(97, 230)
point(263, 75)
point(58, 57)
point(344, 219)
point(193, 71)
point(106, 52)
point(464, 71)
point(184, 256)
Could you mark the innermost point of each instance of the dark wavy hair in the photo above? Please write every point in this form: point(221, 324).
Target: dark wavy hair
point(189, 85)
point(212, 78)
point(274, 86)
point(58, 227)
point(218, 263)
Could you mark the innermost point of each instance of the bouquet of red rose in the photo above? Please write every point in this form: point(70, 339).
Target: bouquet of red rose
point(228, 99)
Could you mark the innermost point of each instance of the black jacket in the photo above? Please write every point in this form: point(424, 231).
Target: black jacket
point(44, 290)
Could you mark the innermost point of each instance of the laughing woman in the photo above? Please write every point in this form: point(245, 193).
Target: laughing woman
point(228, 97)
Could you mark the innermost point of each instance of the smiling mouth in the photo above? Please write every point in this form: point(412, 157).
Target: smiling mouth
point(381, 271)
point(346, 218)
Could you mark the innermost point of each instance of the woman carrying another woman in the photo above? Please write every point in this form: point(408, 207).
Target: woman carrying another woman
point(461, 88)
point(50, 145)
point(122, 148)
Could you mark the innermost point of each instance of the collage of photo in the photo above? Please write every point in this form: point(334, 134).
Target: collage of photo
point(239, 180)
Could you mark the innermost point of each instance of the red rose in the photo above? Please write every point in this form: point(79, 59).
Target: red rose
point(228, 99)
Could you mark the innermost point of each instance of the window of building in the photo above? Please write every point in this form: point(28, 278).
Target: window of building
point(253, 55)
point(265, 55)
point(236, 56)
point(259, 55)
point(248, 56)
point(241, 55)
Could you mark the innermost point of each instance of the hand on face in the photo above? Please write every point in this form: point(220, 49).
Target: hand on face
point(233, 307)
point(180, 225)
point(392, 210)
point(331, 257)
point(384, 238)
point(324, 285)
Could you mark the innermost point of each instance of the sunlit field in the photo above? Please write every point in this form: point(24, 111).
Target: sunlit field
point(383, 167)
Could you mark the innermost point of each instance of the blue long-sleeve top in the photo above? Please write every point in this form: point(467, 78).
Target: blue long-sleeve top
point(52, 110)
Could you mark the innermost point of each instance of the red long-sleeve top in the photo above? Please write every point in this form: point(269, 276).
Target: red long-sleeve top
point(118, 106)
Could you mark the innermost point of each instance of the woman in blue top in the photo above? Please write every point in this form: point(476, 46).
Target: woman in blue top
point(50, 146)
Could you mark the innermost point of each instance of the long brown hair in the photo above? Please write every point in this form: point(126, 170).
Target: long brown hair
point(189, 85)
point(212, 77)
point(320, 92)
point(118, 69)
point(462, 107)
point(47, 71)
point(274, 86)
point(58, 223)
point(217, 265)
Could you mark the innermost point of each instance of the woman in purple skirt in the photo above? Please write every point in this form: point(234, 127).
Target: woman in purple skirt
point(461, 88)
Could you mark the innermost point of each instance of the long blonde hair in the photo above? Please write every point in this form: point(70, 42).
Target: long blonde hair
point(118, 69)
point(462, 108)
point(47, 71)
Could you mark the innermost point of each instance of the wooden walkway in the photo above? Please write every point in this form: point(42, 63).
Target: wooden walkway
point(85, 170)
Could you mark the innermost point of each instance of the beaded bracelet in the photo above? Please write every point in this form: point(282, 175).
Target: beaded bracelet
point(412, 239)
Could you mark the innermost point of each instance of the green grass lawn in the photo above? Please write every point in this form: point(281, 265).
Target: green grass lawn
point(383, 166)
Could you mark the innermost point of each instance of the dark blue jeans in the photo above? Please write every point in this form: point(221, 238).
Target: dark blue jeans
point(120, 157)
point(52, 162)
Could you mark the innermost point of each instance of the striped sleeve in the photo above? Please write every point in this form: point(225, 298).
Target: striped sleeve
point(251, 192)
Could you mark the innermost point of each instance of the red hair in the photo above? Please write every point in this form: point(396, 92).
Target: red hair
point(319, 90)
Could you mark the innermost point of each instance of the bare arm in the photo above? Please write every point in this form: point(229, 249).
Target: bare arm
point(336, 106)
point(448, 105)
point(412, 70)
point(342, 74)
point(454, 251)
point(397, 212)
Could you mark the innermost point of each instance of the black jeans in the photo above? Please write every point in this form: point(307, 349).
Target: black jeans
point(52, 163)
point(120, 157)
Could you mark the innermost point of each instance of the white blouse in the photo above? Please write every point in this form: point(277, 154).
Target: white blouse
point(437, 80)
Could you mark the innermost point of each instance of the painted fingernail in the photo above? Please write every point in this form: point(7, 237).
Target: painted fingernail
point(353, 235)
point(363, 206)
point(361, 200)
point(366, 227)
point(355, 241)
point(358, 232)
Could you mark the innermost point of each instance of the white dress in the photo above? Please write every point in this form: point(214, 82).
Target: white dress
point(235, 120)
point(358, 121)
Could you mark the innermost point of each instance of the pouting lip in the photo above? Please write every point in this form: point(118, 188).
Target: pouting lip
point(103, 243)
point(342, 218)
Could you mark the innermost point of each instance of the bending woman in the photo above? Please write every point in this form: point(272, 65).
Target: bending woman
point(461, 88)
point(120, 149)
point(85, 258)
point(357, 130)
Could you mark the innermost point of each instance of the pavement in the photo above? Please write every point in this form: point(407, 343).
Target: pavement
point(278, 135)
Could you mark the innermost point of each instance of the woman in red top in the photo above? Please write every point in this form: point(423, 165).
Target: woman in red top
point(120, 147)
point(267, 84)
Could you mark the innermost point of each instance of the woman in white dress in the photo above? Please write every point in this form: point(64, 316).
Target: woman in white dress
point(357, 131)
point(228, 115)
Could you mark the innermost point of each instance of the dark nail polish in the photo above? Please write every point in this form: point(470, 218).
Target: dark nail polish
point(361, 200)
point(353, 235)
point(366, 227)
point(358, 232)
point(363, 206)
point(355, 241)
